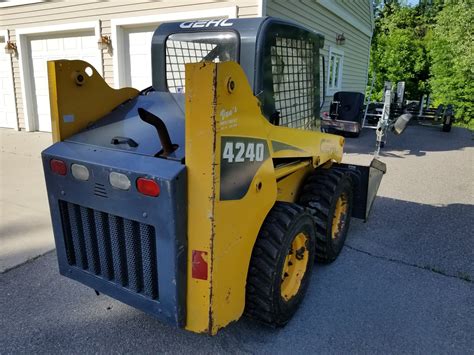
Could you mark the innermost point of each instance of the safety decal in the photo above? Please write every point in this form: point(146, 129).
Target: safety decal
point(241, 157)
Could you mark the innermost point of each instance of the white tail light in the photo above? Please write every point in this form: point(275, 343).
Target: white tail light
point(80, 172)
point(119, 181)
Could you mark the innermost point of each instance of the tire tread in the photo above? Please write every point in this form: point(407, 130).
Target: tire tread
point(317, 195)
point(260, 303)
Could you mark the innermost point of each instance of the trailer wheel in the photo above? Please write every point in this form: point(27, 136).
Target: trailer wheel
point(328, 195)
point(281, 264)
point(446, 127)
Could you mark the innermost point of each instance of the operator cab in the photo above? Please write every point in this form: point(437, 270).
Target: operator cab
point(280, 59)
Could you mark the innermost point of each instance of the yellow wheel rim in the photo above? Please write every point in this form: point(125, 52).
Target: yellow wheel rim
point(339, 219)
point(294, 267)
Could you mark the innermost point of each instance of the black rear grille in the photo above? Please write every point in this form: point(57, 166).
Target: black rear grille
point(111, 247)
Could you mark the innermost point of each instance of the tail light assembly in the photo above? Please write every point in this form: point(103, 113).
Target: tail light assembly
point(145, 186)
point(80, 172)
point(148, 187)
point(119, 181)
point(58, 167)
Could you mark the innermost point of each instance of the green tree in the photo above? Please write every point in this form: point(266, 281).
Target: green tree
point(398, 50)
point(430, 47)
point(451, 50)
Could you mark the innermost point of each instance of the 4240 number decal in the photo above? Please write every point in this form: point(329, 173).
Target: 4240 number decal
point(240, 159)
point(239, 152)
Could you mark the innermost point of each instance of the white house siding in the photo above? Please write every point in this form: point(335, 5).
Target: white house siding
point(308, 12)
point(312, 13)
point(66, 12)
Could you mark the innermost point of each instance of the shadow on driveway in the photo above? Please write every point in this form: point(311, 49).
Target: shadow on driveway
point(438, 238)
point(416, 140)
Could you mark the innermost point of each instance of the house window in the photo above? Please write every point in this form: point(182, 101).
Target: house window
point(336, 61)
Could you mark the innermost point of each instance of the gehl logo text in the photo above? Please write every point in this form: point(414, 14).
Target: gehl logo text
point(206, 23)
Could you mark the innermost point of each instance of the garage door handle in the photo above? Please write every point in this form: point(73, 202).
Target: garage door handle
point(124, 140)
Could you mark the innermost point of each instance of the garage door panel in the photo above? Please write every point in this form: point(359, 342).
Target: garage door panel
point(36, 45)
point(43, 107)
point(140, 40)
point(7, 100)
point(86, 43)
point(52, 44)
point(91, 60)
point(72, 43)
point(39, 67)
point(80, 46)
point(139, 60)
point(138, 50)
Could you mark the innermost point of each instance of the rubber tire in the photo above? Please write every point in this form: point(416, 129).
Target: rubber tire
point(446, 128)
point(320, 193)
point(264, 302)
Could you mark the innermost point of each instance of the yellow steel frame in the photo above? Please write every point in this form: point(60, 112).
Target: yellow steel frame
point(219, 103)
point(79, 96)
point(227, 229)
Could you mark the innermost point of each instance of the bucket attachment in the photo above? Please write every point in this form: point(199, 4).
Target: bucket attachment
point(366, 181)
point(401, 123)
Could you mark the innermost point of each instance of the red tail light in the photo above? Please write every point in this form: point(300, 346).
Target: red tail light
point(58, 167)
point(148, 187)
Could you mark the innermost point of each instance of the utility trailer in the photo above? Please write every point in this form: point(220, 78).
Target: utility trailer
point(345, 114)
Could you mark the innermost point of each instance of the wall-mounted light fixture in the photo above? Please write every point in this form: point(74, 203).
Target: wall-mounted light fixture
point(104, 42)
point(340, 39)
point(10, 48)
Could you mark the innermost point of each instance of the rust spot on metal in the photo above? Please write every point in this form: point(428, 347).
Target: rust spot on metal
point(213, 193)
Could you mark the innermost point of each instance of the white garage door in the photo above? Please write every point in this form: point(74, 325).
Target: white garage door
point(138, 58)
point(7, 99)
point(78, 46)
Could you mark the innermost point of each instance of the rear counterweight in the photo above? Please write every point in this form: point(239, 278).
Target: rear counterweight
point(118, 241)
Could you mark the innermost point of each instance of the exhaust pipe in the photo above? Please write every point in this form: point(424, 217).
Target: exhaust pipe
point(160, 126)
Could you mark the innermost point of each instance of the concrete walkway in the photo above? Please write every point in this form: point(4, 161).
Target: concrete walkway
point(25, 225)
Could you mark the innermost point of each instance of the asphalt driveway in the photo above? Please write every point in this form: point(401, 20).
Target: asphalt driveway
point(404, 283)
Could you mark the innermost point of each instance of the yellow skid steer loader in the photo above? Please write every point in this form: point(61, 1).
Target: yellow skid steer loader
point(209, 194)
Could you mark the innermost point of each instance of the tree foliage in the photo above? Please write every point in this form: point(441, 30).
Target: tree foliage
point(398, 50)
point(430, 47)
point(451, 50)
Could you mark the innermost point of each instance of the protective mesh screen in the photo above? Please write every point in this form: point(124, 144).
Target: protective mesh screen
point(183, 48)
point(293, 71)
point(179, 53)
